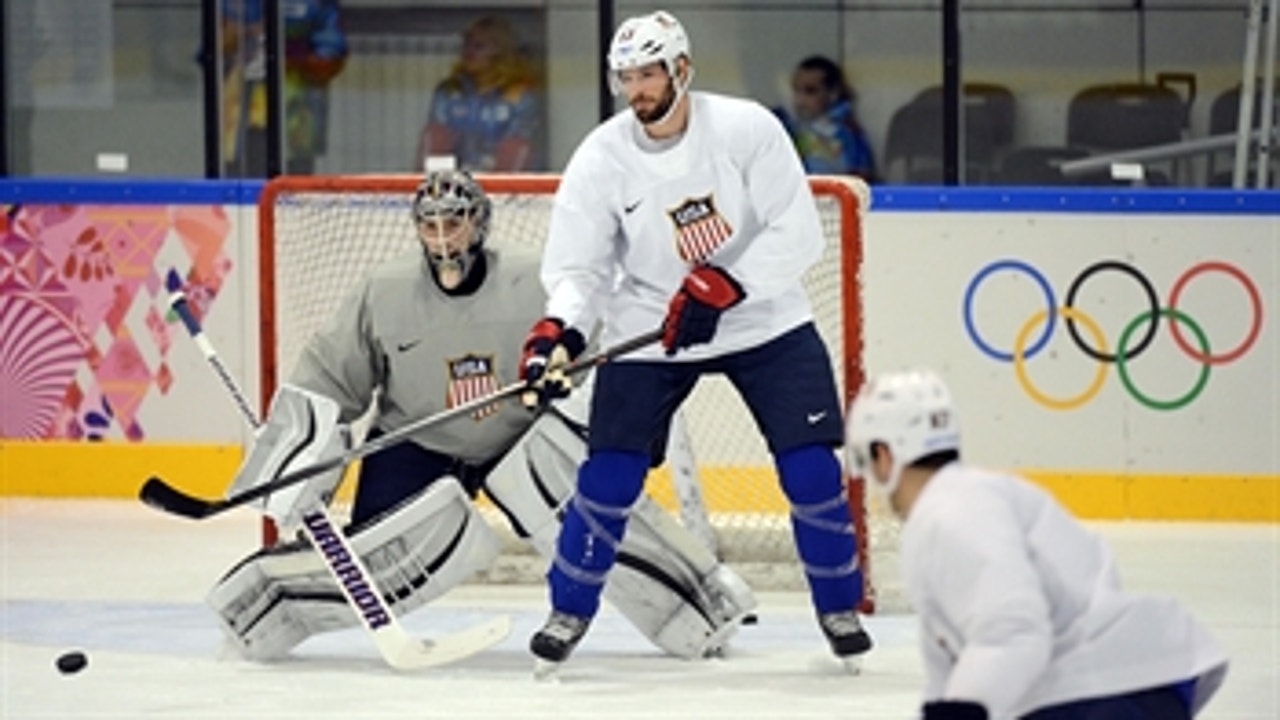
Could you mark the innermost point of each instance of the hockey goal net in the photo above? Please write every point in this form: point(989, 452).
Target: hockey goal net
point(320, 235)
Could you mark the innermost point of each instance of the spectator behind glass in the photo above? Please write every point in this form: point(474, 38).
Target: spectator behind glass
point(315, 51)
point(822, 123)
point(485, 113)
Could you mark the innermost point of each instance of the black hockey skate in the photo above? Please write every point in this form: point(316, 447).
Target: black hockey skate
point(558, 637)
point(849, 641)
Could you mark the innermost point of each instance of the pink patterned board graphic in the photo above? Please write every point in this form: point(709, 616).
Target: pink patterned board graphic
point(84, 335)
point(38, 359)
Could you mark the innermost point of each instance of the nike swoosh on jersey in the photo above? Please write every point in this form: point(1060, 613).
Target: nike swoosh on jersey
point(628, 208)
point(815, 418)
point(406, 346)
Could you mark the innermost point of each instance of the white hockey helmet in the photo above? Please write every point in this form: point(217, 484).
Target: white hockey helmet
point(451, 195)
point(645, 39)
point(911, 412)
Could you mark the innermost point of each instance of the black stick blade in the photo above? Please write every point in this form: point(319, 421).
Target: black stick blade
point(164, 497)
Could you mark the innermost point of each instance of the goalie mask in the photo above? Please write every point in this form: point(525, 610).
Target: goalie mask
point(654, 38)
point(451, 212)
point(909, 412)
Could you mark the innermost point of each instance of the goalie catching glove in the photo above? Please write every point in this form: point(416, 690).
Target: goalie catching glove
point(549, 347)
point(695, 309)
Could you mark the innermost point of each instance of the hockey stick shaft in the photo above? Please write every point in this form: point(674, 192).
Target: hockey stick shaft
point(178, 303)
point(398, 648)
point(163, 496)
point(688, 485)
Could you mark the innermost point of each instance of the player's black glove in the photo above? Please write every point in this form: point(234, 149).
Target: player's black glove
point(549, 347)
point(695, 309)
point(954, 710)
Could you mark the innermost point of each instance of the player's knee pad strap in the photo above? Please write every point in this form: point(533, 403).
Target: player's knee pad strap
point(831, 515)
point(602, 520)
point(608, 484)
point(279, 596)
point(810, 478)
point(823, 525)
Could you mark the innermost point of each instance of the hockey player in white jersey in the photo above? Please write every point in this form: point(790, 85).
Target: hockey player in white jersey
point(689, 211)
point(1021, 610)
point(431, 329)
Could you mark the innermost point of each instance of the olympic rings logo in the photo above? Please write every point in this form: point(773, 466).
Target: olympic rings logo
point(1142, 328)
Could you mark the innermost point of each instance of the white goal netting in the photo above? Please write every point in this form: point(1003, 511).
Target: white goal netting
point(320, 235)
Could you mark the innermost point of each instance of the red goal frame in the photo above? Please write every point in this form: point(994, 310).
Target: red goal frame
point(851, 256)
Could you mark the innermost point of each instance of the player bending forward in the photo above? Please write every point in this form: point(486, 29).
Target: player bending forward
point(1021, 610)
point(690, 211)
point(424, 331)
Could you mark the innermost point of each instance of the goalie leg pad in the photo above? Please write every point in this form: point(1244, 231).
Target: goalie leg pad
point(666, 582)
point(256, 620)
point(301, 429)
point(672, 589)
point(278, 597)
point(536, 478)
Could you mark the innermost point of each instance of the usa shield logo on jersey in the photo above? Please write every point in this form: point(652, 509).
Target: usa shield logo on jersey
point(471, 377)
point(700, 229)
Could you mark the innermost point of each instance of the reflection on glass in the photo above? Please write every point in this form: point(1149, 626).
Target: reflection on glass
point(315, 51)
point(374, 86)
point(486, 113)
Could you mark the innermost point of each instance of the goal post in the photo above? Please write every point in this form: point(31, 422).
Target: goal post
point(320, 235)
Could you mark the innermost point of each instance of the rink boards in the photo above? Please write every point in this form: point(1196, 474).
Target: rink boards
point(1118, 346)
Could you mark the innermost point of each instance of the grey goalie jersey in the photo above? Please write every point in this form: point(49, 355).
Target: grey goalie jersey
point(424, 351)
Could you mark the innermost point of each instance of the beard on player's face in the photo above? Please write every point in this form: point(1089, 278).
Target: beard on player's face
point(649, 108)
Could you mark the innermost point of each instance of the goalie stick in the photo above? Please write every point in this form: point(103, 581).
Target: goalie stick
point(688, 486)
point(398, 648)
point(159, 494)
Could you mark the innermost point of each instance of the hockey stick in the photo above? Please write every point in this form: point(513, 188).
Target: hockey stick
point(165, 497)
point(688, 486)
point(398, 648)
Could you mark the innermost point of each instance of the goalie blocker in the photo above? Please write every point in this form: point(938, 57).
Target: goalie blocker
point(669, 585)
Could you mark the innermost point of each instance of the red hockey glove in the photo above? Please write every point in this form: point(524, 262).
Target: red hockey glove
point(549, 347)
point(954, 710)
point(695, 309)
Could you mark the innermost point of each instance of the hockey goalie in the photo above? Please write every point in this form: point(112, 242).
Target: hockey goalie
point(431, 329)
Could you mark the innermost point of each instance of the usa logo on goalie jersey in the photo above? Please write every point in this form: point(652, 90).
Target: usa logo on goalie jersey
point(700, 229)
point(472, 376)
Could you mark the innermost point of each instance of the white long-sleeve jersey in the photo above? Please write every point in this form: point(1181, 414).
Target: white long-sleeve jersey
point(633, 216)
point(1021, 607)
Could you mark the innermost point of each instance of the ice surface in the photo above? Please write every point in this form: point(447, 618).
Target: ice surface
point(126, 585)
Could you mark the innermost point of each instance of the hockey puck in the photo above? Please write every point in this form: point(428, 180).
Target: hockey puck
point(71, 662)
